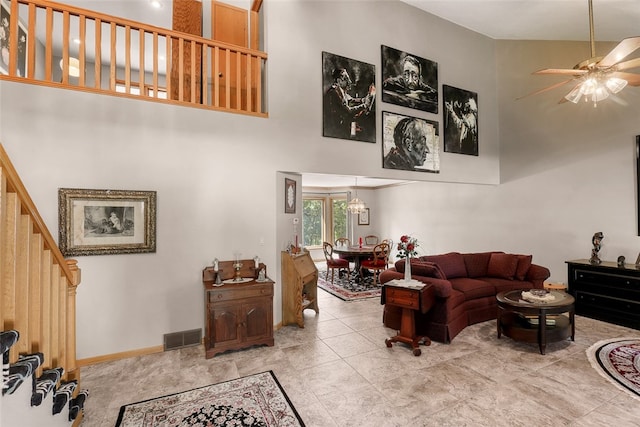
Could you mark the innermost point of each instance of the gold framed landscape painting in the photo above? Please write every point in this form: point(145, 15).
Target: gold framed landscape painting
point(106, 222)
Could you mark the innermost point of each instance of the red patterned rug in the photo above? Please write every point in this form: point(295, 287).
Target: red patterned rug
point(618, 360)
point(256, 400)
point(346, 288)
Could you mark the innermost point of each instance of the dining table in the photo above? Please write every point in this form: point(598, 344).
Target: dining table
point(358, 253)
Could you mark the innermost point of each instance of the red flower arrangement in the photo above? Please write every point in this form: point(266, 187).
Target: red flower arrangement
point(407, 247)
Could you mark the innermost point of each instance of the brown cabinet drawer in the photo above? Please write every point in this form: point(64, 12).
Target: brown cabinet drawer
point(238, 293)
point(408, 298)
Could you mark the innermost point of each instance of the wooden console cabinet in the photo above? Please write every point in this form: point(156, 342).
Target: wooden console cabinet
point(238, 315)
point(606, 292)
point(299, 287)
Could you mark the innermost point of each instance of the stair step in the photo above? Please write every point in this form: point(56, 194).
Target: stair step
point(77, 404)
point(8, 339)
point(25, 367)
point(47, 381)
point(62, 395)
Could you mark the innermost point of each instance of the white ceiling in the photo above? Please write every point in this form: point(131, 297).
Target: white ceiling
point(498, 19)
point(540, 19)
point(336, 181)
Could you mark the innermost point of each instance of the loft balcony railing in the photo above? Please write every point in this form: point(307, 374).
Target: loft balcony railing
point(57, 45)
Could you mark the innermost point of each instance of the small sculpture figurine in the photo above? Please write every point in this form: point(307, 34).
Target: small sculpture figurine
point(621, 261)
point(218, 277)
point(597, 238)
point(262, 275)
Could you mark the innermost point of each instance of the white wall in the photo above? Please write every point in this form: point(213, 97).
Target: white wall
point(216, 174)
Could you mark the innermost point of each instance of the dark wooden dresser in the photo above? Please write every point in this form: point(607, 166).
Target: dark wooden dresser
point(605, 291)
point(238, 315)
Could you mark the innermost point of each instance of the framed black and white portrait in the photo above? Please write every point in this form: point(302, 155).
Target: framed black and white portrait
point(349, 95)
point(409, 80)
point(410, 143)
point(460, 120)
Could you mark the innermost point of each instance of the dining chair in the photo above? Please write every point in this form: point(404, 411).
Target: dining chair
point(344, 242)
point(379, 262)
point(334, 263)
point(390, 243)
point(371, 239)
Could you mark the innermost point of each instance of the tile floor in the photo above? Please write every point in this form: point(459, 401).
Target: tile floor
point(337, 371)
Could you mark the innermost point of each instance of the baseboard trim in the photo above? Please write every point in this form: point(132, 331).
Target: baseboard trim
point(117, 356)
point(132, 353)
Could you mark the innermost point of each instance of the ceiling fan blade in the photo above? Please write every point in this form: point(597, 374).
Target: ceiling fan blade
point(632, 63)
point(545, 89)
point(631, 78)
point(569, 71)
point(624, 48)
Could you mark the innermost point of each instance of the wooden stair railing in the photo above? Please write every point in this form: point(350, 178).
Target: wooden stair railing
point(92, 52)
point(37, 284)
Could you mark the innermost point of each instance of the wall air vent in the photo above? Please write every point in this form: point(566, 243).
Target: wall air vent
point(182, 339)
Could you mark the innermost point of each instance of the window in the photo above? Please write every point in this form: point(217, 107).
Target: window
point(324, 218)
point(312, 222)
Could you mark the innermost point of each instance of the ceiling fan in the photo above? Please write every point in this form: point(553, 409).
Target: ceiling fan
point(598, 77)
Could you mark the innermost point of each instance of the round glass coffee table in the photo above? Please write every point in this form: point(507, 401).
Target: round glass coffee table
point(544, 321)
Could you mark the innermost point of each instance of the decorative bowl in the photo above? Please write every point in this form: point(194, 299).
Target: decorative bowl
point(538, 292)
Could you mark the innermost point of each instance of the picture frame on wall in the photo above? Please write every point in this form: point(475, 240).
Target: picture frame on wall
point(363, 217)
point(410, 143)
point(5, 39)
point(106, 222)
point(409, 80)
point(460, 120)
point(349, 98)
point(289, 196)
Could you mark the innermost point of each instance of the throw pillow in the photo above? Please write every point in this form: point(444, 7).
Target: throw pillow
point(421, 268)
point(502, 265)
point(477, 263)
point(452, 264)
point(524, 262)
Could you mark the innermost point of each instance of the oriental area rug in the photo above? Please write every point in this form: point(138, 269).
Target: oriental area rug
point(346, 288)
point(256, 400)
point(618, 360)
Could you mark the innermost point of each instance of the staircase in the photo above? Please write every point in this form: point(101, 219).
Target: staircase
point(37, 316)
point(28, 400)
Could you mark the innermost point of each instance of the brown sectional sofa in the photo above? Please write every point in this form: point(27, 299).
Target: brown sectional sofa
point(466, 286)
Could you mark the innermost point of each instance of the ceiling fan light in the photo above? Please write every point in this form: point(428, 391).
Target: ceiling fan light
point(615, 84)
point(575, 95)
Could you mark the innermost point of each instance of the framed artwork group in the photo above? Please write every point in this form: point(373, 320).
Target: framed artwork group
point(408, 80)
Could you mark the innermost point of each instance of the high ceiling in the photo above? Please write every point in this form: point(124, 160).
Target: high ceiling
point(540, 19)
point(498, 19)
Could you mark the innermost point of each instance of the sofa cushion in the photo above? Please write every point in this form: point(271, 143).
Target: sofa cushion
point(452, 264)
point(421, 268)
point(477, 264)
point(502, 265)
point(524, 262)
point(473, 288)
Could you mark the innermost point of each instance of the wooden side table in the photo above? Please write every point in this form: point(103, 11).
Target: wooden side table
point(412, 296)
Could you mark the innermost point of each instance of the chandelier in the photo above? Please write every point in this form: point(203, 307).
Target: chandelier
point(356, 205)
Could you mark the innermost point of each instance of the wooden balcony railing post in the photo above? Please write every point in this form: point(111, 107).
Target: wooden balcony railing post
point(228, 80)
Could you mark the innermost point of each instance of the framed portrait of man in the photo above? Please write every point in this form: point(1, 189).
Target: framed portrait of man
point(460, 120)
point(409, 80)
point(410, 143)
point(349, 98)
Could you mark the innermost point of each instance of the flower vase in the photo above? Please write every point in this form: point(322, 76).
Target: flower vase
point(407, 269)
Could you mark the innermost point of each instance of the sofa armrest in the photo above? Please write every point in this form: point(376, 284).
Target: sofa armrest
point(442, 286)
point(538, 274)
